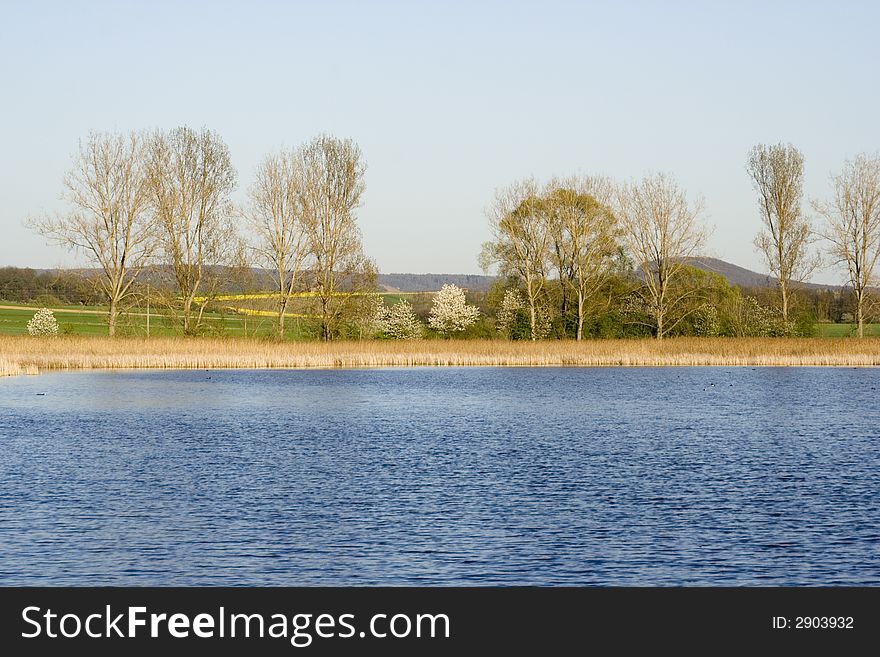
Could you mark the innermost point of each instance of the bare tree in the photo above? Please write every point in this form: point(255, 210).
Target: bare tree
point(585, 233)
point(777, 173)
point(276, 215)
point(558, 200)
point(852, 226)
point(331, 186)
point(662, 231)
point(190, 177)
point(521, 243)
point(109, 221)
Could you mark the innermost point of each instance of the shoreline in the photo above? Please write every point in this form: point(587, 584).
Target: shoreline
point(28, 355)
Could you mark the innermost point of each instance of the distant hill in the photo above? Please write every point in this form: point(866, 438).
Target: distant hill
point(433, 282)
point(262, 279)
point(743, 277)
point(734, 274)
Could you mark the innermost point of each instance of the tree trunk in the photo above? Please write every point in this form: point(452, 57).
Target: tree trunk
point(564, 305)
point(111, 318)
point(860, 314)
point(325, 320)
point(784, 288)
point(187, 312)
point(580, 331)
point(282, 307)
point(659, 316)
point(533, 318)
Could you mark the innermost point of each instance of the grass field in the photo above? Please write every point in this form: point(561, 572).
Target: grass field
point(236, 320)
point(20, 354)
point(92, 321)
point(847, 330)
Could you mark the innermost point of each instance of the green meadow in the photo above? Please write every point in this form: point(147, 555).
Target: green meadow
point(235, 321)
point(92, 320)
point(846, 330)
point(236, 317)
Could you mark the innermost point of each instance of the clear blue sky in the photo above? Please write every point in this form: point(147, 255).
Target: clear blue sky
point(448, 100)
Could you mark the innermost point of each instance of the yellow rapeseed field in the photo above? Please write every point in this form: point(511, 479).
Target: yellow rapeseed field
point(25, 354)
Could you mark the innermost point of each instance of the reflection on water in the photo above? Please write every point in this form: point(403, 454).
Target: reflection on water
point(441, 476)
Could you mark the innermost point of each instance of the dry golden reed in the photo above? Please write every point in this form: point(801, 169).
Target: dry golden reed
point(20, 354)
point(14, 368)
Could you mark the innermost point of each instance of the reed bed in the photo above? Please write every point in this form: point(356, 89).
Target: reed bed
point(14, 368)
point(21, 354)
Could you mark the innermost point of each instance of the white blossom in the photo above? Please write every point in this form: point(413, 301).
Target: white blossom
point(368, 316)
point(707, 321)
point(511, 305)
point(543, 323)
point(451, 313)
point(43, 323)
point(400, 322)
point(750, 318)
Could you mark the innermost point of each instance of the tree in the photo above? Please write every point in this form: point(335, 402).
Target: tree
point(450, 312)
point(190, 178)
point(400, 322)
point(521, 243)
point(509, 313)
point(585, 233)
point(331, 186)
point(662, 230)
point(777, 174)
point(852, 226)
point(276, 216)
point(109, 221)
point(43, 323)
point(746, 317)
point(711, 294)
point(367, 316)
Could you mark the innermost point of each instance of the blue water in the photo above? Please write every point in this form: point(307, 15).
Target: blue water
point(558, 476)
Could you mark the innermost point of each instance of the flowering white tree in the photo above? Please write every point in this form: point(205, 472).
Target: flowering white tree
point(368, 315)
point(450, 312)
point(43, 323)
point(508, 313)
point(748, 318)
point(400, 322)
point(543, 323)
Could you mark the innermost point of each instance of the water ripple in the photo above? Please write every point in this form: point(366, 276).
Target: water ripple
point(558, 476)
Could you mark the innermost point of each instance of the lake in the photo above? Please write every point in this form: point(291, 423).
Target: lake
point(431, 476)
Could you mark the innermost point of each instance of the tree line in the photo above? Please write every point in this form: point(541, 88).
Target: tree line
point(44, 287)
point(574, 251)
point(163, 199)
point(576, 257)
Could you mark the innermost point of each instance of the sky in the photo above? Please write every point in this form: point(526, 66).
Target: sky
point(448, 101)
